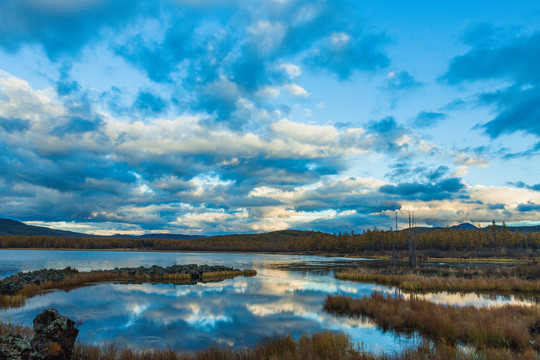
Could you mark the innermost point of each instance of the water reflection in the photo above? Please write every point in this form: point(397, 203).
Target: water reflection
point(473, 299)
point(285, 296)
point(235, 312)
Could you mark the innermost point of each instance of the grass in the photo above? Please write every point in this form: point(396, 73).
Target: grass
point(490, 260)
point(9, 327)
point(221, 275)
point(509, 327)
point(317, 346)
point(84, 278)
point(521, 278)
point(250, 272)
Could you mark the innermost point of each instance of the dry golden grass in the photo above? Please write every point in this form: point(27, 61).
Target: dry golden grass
point(418, 282)
point(318, 346)
point(84, 278)
point(216, 275)
point(507, 327)
point(8, 327)
point(250, 272)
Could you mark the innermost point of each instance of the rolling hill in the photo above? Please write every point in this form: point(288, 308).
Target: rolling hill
point(12, 227)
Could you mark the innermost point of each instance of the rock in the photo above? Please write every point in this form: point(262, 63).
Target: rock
point(14, 347)
point(54, 336)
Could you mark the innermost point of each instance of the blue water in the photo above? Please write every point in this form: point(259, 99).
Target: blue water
point(285, 297)
point(235, 312)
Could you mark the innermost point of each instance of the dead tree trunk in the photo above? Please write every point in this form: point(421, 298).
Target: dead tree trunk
point(410, 243)
point(394, 254)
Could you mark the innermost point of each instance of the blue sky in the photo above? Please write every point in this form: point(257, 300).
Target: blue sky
point(211, 117)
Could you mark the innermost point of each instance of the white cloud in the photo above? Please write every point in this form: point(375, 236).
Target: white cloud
point(268, 92)
point(296, 90)
point(266, 36)
point(293, 71)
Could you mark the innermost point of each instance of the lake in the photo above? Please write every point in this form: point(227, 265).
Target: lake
point(285, 297)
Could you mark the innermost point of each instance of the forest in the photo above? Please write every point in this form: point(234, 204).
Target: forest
point(492, 241)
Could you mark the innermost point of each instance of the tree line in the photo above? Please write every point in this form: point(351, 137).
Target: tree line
point(497, 240)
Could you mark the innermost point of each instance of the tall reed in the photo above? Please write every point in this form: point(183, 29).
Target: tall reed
point(509, 327)
point(419, 282)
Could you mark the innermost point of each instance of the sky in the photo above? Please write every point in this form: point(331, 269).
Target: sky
point(245, 116)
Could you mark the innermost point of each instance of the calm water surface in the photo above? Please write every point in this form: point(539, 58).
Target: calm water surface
point(285, 296)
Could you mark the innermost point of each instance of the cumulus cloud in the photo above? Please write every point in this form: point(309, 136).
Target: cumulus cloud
point(182, 173)
point(296, 90)
point(209, 138)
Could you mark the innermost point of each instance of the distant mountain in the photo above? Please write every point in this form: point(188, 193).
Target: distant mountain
point(465, 226)
point(468, 226)
point(12, 227)
point(161, 236)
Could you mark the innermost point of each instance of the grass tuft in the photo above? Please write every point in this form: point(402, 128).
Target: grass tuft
point(507, 327)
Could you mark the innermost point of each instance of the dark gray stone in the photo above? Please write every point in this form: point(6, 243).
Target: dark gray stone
point(54, 336)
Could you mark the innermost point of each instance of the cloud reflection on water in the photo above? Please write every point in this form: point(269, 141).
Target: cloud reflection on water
point(235, 312)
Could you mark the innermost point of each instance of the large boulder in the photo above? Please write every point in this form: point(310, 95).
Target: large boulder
point(54, 336)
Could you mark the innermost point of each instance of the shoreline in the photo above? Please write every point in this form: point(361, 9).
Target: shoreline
point(204, 251)
point(444, 259)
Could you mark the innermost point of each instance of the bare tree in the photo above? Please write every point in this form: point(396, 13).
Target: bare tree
point(394, 244)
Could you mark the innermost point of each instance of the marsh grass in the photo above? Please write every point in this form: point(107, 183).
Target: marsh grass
point(79, 279)
point(507, 327)
point(216, 275)
point(467, 281)
point(317, 346)
point(8, 327)
point(249, 272)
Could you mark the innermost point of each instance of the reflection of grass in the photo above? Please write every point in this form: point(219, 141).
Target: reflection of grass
point(77, 279)
point(180, 278)
point(317, 346)
point(502, 280)
point(513, 328)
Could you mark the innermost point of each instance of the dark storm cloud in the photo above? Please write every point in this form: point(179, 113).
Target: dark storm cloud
point(522, 185)
point(497, 54)
point(519, 110)
point(149, 103)
point(261, 170)
point(444, 189)
point(78, 124)
point(528, 207)
point(75, 172)
point(427, 119)
point(11, 125)
point(62, 28)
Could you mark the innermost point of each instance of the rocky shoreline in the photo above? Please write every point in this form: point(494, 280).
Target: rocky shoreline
point(191, 273)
